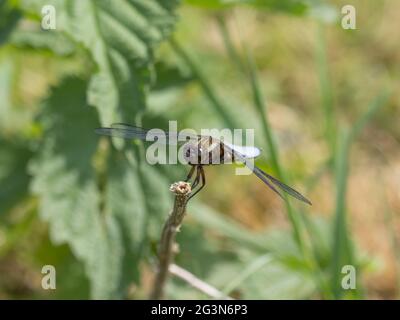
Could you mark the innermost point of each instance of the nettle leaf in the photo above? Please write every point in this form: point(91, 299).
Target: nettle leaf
point(65, 180)
point(14, 179)
point(105, 216)
point(120, 35)
point(169, 77)
point(138, 200)
point(14, 152)
point(50, 41)
point(9, 18)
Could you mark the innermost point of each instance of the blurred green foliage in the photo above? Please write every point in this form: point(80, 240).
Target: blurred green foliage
point(94, 208)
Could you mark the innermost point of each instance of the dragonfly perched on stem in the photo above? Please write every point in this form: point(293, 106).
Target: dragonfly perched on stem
point(200, 151)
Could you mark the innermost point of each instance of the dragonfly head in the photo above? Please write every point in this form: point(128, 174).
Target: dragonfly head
point(192, 153)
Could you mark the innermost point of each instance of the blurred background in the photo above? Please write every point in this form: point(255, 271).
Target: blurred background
point(324, 103)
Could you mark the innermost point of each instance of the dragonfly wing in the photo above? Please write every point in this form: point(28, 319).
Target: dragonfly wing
point(269, 180)
point(280, 185)
point(247, 151)
point(123, 131)
point(126, 131)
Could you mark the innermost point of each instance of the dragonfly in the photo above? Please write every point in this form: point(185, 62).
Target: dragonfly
point(202, 150)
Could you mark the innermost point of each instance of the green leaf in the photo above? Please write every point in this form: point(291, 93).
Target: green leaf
point(14, 179)
point(137, 200)
point(66, 183)
point(72, 282)
point(105, 216)
point(65, 180)
point(14, 154)
point(9, 18)
point(120, 35)
point(56, 42)
point(169, 77)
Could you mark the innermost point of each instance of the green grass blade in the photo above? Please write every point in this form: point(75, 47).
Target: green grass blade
point(339, 251)
point(261, 107)
point(342, 251)
point(229, 45)
point(249, 70)
point(326, 91)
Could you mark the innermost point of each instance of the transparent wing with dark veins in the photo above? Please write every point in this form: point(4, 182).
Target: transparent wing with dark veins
point(269, 180)
point(123, 131)
point(289, 190)
point(126, 131)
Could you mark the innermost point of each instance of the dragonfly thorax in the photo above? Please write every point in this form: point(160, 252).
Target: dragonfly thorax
point(192, 153)
point(206, 151)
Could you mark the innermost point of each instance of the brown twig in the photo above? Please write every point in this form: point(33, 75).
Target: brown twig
point(167, 246)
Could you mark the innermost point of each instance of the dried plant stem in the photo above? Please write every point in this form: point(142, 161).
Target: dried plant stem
point(197, 283)
point(167, 246)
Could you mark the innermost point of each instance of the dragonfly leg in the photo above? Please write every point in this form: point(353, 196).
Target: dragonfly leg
point(190, 174)
point(202, 177)
point(197, 179)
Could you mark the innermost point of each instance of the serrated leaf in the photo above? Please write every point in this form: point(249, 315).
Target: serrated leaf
point(120, 35)
point(53, 41)
point(107, 228)
point(66, 183)
point(64, 178)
